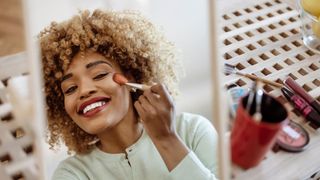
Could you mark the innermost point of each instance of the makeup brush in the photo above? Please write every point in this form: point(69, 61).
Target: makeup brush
point(230, 69)
point(122, 80)
point(251, 97)
point(257, 116)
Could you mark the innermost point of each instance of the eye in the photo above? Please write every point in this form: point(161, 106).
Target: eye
point(70, 90)
point(100, 76)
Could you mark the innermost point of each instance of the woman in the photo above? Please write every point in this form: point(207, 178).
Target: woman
point(116, 132)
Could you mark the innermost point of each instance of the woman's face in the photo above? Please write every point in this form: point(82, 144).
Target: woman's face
point(91, 98)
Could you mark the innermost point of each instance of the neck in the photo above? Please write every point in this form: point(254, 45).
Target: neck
point(121, 136)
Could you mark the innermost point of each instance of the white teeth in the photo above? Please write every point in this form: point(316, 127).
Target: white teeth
point(93, 106)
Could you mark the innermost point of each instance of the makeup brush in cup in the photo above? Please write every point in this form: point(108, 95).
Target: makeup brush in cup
point(257, 116)
point(255, 94)
point(122, 80)
point(251, 97)
point(230, 69)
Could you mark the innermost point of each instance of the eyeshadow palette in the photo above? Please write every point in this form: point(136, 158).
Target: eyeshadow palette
point(293, 137)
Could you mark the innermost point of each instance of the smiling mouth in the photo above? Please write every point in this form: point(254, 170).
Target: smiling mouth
point(93, 106)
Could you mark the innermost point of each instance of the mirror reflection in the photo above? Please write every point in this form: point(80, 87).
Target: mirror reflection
point(112, 80)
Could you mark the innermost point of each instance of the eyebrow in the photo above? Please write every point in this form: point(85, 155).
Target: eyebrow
point(65, 77)
point(89, 65)
point(92, 64)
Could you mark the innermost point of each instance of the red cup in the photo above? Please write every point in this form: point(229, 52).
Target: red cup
point(251, 139)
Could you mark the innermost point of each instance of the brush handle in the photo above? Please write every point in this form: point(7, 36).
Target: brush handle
point(263, 80)
point(138, 86)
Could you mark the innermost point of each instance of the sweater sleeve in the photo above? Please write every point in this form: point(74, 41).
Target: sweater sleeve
point(65, 171)
point(201, 161)
point(62, 174)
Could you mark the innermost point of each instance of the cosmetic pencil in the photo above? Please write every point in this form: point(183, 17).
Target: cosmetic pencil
point(302, 106)
point(294, 86)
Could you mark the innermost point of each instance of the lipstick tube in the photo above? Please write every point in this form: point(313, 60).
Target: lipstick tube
point(302, 106)
point(301, 92)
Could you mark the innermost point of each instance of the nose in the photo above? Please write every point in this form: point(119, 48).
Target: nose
point(87, 94)
point(87, 89)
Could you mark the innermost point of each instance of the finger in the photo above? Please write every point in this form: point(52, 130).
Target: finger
point(139, 109)
point(147, 111)
point(162, 91)
point(152, 97)
point(145, 104)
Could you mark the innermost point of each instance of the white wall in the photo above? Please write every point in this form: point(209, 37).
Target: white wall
point(184, 21)
point(186, 24)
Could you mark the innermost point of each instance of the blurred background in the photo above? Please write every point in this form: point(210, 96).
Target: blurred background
point(185, 22)
point(11, 27)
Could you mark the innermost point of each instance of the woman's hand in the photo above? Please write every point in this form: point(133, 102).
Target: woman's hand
point(157, 112)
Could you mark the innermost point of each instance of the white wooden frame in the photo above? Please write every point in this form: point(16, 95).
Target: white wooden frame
point(21, 154)
point(219, 108)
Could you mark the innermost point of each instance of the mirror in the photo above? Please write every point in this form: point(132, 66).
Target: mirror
point(189, 31)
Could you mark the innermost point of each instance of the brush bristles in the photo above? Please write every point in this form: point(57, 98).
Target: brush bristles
point(229, 69)
point(120, 79)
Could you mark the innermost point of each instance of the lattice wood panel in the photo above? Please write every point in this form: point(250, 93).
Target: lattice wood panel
point(264, 39)
point(17, 154)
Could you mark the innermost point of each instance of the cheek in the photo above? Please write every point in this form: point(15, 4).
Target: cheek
point(121, 92)
point(123, 99)
point(126, 95)
point(68, 105)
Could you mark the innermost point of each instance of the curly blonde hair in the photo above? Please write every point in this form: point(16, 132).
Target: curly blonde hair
point(125, 36)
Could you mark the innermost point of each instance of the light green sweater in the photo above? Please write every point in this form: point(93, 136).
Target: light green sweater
point(144, 161)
